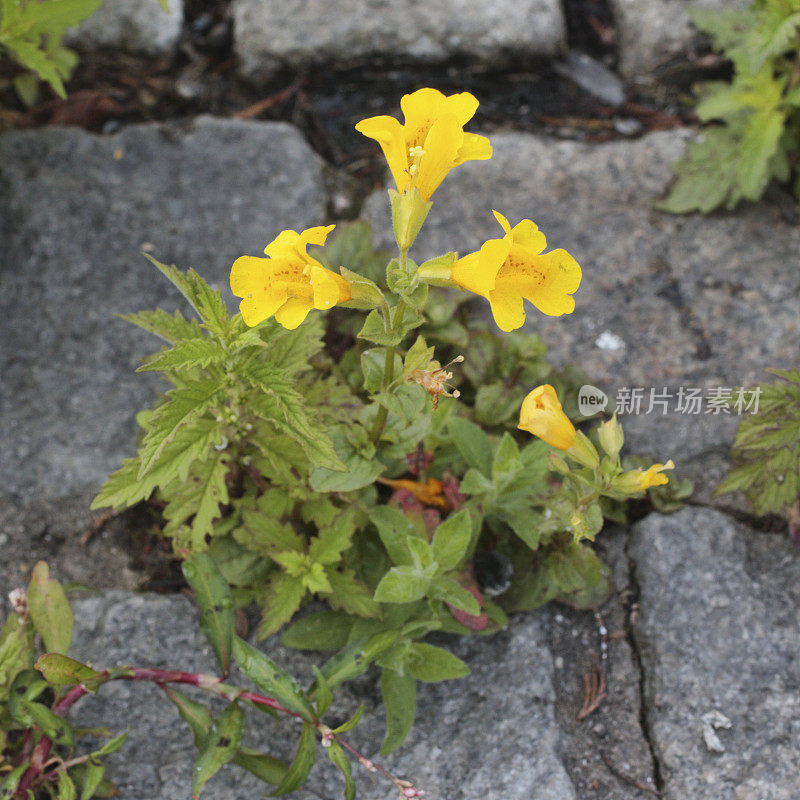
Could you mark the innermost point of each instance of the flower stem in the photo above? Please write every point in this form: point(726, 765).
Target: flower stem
point(395, 324)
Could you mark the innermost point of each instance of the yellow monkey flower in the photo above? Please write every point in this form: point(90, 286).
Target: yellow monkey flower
point(506, 270)
point(289, 282)
point(639, 480)
point(541, 414)
point(431, 142)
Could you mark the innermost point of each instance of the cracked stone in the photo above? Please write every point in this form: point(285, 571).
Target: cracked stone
point(718, 631)
point(273, 34)
point(492, 735)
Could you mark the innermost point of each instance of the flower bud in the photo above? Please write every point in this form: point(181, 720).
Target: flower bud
point(541, 414)
point(638, 480)
point(611, 436)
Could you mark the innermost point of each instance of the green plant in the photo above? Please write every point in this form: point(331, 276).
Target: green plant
point(766, 451)
point(758, 112)
point(345, 464)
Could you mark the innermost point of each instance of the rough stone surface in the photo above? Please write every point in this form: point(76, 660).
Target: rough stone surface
point(492, 735)
point(719, 630)
point(665, 302)
point(136, 26)
point(271, 34)
point(652, 32)
point(75, 212)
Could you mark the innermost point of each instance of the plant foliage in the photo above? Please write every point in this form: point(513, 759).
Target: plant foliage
point(755, 119)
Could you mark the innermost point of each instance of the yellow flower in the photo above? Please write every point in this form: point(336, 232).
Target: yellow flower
point(506, 270)
point(431, 142)
point(541, 415)
point(289, 282)
point(652, 476)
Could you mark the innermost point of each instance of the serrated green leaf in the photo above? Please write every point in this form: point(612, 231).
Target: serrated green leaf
point(189, 354)
point(217, 609)
point(272, 679)
point(406, 401)
point(394, 529)
point(200, 498)
point(351, 595)
point(375, 330)
point(279, 599)
point(183, 406)
point(170, 327)
point(400, 698)
point(219, 747)
point(303, 761)
point(759, 144)
point(49, 610)
point(208, 303)
point(191, 442)
point(432, 664)
point(332, 540)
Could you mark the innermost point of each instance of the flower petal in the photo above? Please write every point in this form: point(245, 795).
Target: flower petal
point(504, 224)
point(462, 106)
point(420, 109)
point(316, 236)
point(478, 271)
point(292, 313)
point(562, 278)
point(474, 148)
point(285, 240)
point(507, 308)
point(250, 280)
point(527, 234)
point(441, 147)
point(388, 133)
point(326, 290)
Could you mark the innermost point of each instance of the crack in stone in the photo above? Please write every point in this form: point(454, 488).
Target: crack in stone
point(633, 642)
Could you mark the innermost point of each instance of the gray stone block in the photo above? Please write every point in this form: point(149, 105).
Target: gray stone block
point(271, 34)
point(718, 630)
point(135, 26)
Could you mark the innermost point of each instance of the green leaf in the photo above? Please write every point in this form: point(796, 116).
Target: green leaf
point(432, 664)
point(26, 86)
point(189, 354)
point(64, 671)
point(400, 698)
point(170, 327)
point(217, 609)
point(66, 788)
point(394, 529)
point(184, 405)
point(324, 697)
point(402, 585)
point(200, 498)
point(93, 777)
point(506, 462)
point(322, 630)
point(302, 763)
point(220, 746)
point(418, 356)
point(332, 540)
point(56, 728)
point(264, 767)
point(272, 679)
point(191, 442)
point(208, 303)
point(374, 330)
point(112, 745)
point(338, 757)
point(406, 401)
point(25, 687)
point(351, 595)
point(352, 722)
point(456, 595)
point(49, 609)
point(451, 540)
point(279, 600)
point(194, 714)
point(354, 659)
point(759, 144)
point(472, 443)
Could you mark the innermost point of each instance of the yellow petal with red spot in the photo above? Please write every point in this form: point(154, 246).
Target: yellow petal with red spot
point(507, 310)
point(250, 281)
